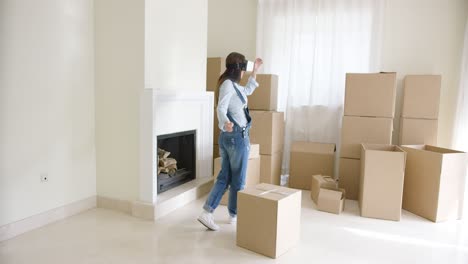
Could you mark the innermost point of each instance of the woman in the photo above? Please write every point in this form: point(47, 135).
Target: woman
point(234, 143)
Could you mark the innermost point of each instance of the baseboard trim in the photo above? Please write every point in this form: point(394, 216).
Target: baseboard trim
point(17, 228)
point(123, 206)
point(137, 209)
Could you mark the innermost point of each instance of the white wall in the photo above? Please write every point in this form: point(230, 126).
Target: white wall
point(46, 105)
point(176, 49)
point(119, 46)
point(232, 27)
point(426, 36)
point(420, 36)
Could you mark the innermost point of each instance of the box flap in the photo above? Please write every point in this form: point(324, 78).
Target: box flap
point(322, 179)
point(381, 147)
point(313, 147)
point(335, 194)
point(331, 200)
point(432, 149)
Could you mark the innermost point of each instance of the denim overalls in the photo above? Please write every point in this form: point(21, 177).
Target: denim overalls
point(234, 150)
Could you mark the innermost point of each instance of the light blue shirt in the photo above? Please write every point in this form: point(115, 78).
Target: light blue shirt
point(230, 102)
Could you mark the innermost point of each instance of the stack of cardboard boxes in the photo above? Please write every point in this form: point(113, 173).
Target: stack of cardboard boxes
point(419, 117)
point(267, 126)
point(368, 118)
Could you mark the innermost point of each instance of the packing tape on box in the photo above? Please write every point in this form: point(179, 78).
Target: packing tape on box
point(272, 191)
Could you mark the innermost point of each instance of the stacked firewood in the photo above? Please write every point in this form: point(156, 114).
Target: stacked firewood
point(165, 164)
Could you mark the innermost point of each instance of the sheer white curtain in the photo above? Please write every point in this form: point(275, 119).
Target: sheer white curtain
point(460, 137)
point(311, 44)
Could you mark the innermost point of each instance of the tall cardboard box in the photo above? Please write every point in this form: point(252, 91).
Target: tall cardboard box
point(268, 219)
point(433, 180)
point(421, 96)
point(370, 94)
point(214, 68)
point(308, 159)
point(253, 171)
point(356, 130)
point(265, 96)
point(382, 177)
point(418, 131)
point(349, 177)
point(268, 131)
point(321, 181)
point(270, 168)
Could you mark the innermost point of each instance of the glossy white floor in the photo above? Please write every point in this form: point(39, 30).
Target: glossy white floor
point(103, 236)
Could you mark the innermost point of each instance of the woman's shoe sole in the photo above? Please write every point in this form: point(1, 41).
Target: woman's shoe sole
point(209, 228)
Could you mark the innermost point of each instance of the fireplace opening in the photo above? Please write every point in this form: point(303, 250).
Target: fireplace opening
point(176, 159)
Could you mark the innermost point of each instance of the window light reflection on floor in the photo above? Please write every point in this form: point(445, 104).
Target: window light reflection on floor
point(407, 240)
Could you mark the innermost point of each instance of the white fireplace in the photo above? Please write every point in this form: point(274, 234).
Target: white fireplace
point(168, 111)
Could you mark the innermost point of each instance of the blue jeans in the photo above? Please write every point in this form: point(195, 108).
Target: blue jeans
point(234, 151)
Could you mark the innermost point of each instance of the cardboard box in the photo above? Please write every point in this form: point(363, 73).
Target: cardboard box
point(268, 219)
point(418, 131)
point(268, 131)
point(216, 151)
point(349, 177)
point(433, 182)
point(381, 183)
point(321, 181)
point(308, 159)
point(270, 168)
point(254, 151)
point(421, 96)
point(214, 68)
point(265, 96)
point(331, 200)
point(370, 94)
point(252, 177)
point(357, 130)
point(216, 130)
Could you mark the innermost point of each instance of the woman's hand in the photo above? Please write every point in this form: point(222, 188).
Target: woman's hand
point(228, 126)
point(258, 62)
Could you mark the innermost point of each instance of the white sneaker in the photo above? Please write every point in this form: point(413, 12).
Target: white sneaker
point(207, 220)
point(232, 220)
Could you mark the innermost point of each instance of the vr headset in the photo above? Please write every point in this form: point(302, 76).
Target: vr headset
point(243, 66)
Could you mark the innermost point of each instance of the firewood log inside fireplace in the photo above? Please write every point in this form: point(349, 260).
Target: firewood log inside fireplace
point(165, 164)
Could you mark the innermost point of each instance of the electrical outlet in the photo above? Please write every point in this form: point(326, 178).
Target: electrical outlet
point(44, 177)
